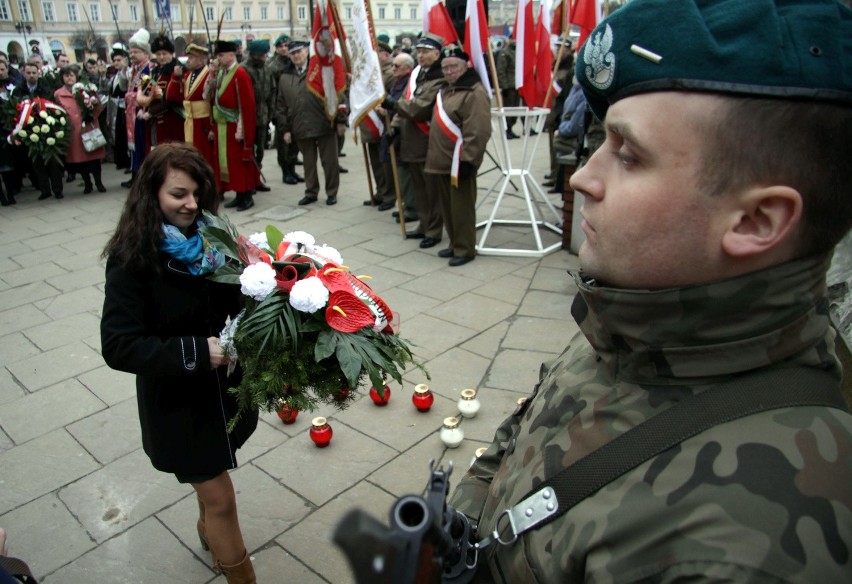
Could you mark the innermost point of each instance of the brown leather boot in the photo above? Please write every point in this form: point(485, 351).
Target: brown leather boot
point(240, 573)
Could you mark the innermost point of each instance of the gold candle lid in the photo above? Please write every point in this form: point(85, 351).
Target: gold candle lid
point(319, 422)
point(421, 388)
point(451, 422)
point(468, 394)
point(480, 451)
point(522, 401)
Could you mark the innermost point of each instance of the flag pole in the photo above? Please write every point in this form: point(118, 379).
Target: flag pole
point(561, 52)
point(497, 94)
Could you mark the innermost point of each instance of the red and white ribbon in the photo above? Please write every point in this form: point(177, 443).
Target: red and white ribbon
point(454, 133)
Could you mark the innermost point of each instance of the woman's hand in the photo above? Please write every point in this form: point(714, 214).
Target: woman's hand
point(217, 355)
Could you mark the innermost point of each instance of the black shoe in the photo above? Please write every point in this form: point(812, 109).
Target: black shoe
point(510, 135)
point(101, 188)
point(343, 170)
point(367, 203)
point(44, 196)
point(71, 177)
point(127, 184)
point(445, 253)
point(409, 219)
point(87, 189)
point(245, 204)
point(290, 179)
point(341, 155)
point(127, 171)
point(548, 176)
point(232, 204)
point(396, 215)
point(385, 206)
point(414, 235)
point(532, 133)
point(553, 191)
point(429, 242)
point(331, 201)
point(549, 183)
point(59, 195)
point(306, 200)
point(460, 261)
point(262, 188)
point(298, 177)
point(298, 162)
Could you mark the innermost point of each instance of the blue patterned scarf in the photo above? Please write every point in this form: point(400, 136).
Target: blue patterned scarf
point(196, 252)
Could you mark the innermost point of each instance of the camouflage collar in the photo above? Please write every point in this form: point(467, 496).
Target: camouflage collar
point(702, 332)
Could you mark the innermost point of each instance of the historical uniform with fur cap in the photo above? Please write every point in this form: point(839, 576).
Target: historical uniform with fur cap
point(166, 99)
point(263, 97)
point(235, 127)
point(138, 85)
point(414, 114)
point(710, 215)
point(198, 125)
point(461, 128)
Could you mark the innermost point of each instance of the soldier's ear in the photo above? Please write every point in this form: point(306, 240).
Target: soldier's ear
point(764, 220)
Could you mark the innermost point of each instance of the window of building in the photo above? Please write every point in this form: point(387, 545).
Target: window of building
point(247, 13)
point(210, 13)
point(413, 14)
point(73, 16)
point(114, 11)
point(303, 13)
point(382, 13)
point(49, 11)
point(348, 13)
point(229, 14)
point(5, 13)
point(24, 10)
point(134, 13)
point(95, 12)
point(397, 13)
point(280, 12)
point(175, 12)
point(264, 13)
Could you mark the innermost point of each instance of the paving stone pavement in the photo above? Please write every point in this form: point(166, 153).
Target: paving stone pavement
point(79, 498)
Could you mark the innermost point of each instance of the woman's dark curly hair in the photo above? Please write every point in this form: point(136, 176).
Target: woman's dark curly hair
point(136, 241)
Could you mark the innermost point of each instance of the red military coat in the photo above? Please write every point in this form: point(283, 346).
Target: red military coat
point(198, 124)
point(233, 106)
point(169, 124)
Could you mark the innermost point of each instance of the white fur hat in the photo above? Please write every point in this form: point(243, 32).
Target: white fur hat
point(141, 39)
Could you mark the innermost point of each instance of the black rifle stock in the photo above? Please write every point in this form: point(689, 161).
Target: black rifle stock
point(427, 542)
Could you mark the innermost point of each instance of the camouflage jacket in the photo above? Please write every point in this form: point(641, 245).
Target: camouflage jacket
point(262, 85)
point(766, 498)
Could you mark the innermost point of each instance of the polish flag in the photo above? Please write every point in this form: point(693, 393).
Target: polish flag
point(560, 19)
point(543, 55)
point(437, 20)
point(475, 39)
point(586, 15)
point(524, 35)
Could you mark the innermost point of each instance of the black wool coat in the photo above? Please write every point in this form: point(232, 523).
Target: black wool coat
point(156, 326)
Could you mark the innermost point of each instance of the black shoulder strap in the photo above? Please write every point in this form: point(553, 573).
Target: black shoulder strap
point(740, 397)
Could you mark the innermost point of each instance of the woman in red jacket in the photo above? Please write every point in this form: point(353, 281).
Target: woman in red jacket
point(77, 159)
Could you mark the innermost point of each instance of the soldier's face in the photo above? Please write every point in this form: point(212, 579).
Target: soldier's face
point(453, 68)
point(299, 56)
point(648, 223)
point(194, 61)
point(226, 59)
point(282, 50)
point(425, 57)
point(137, 55)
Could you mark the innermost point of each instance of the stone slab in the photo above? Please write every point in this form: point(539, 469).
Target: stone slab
point(53, 366)
point(111, 433)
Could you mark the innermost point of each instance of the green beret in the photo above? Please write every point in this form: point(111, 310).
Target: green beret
point(258, 47)
point(791, 49)
point(383, 38)
point(282, 38)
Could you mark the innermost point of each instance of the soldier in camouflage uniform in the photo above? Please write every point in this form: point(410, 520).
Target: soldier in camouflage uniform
point(711, 213)
point(506, 78)
point(263, 97)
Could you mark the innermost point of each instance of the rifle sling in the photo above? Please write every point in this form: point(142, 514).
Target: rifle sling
point(737, 398)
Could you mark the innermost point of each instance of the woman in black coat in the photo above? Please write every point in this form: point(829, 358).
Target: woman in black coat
point(161, 320)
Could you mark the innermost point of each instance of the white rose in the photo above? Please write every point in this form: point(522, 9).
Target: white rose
point(300, 237)
point(258, 280)
point(50, 141)
point(42, 114)
point(34, 137)
point(60, 134)
point(30, 121)
point(51, 120)
point(45, 128)
point(62, 121)
point(328, 253)
point(260, 240)
point(22, 133)
point(309, 295)
point(36, 129)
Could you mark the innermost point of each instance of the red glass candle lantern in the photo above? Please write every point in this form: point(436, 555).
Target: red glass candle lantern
point(422, 398)
point(342, 394)
point(320, 432)
point(378, 399)
point(287, 413)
